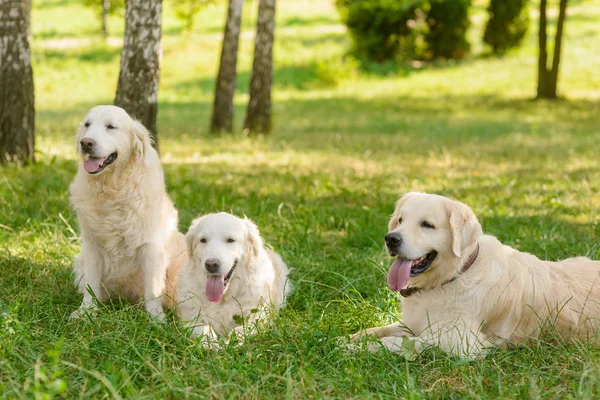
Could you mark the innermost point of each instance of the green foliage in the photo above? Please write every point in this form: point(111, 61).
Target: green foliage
point(186, 11)
point(381, 29)
point(393, 30)
point(507, 24)
point(448, 22)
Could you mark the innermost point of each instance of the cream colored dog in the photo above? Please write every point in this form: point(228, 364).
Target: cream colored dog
point(465, 291)
point(231, 280)
point(130, 244)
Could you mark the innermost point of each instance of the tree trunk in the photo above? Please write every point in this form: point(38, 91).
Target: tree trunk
point(105, 10)
point(222, 118)
point(558, 45)
point(548, 78)
point(17, 111)
point(258, 115)
point(137, 90)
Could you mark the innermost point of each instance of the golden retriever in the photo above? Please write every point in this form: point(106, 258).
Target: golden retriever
point(131, 247)
point(465, 292)
point(231, 281)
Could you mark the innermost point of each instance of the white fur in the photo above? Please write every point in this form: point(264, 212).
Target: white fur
point(505, 297)
point(130, 244)
point(258, 285)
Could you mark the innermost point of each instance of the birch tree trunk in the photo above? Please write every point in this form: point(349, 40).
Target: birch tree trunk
point(258, 115)
point(222, 117)
point(548, 78)
point(137, 90)
point(17, 111)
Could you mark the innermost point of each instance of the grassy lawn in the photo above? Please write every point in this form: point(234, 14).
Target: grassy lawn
point(346, 144)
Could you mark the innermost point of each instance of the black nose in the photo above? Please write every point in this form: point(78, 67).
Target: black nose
point(393, 240)
point(212, 265)
point(87, 144)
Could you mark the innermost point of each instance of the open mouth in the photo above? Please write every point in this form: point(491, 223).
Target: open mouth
point(215, 284)
point(94, 165)
point(422, 264)
point(402, 270)
point(230, 273)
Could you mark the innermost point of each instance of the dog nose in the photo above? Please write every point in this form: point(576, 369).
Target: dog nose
point(212, 265)
point(393, 239)
point(87, 144)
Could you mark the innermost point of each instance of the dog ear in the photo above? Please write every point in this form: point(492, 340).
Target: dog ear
point(394, 219)
point(141, 138)
point(190, 236)
point(464, 226)
point(79, 136)
point(253, 239)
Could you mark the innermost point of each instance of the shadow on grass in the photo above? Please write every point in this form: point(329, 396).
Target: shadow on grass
point(95, 55)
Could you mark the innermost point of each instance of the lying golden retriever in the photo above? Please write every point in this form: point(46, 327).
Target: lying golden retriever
point(464, 291)
point(231, 281)
point(131, 247)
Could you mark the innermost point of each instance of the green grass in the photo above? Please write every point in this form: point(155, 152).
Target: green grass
point(321, 190)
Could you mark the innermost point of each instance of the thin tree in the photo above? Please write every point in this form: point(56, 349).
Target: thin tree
point(222, 117)
point(258, 114)
point(17, 111)
point(137, 90)
point(548, 78)
point(105, 11)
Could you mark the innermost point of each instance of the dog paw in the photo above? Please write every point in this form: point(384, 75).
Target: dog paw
point(84, 310)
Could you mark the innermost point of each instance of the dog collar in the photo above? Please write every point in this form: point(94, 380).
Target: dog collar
point(406, 292)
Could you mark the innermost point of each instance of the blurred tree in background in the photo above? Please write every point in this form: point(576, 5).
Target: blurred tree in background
point(106, 8)
point(507, 24)
point(17, 111)
point(381, 30)
point(222, 117)
point(186, 11)
point(448, 21)
point(258, 114)
point(137, 89)
point(548, 78)
point(394, 30)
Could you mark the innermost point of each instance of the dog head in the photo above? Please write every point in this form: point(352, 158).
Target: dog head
point(109, 137)
point(221, 247)
point(429, 235)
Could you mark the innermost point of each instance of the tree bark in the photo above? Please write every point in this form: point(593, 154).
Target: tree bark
point(548, 78)
point(137, 90)
point(105, 10)
point(17, 110)
point(222, 118)
point(258, 115)
point(558, 45)
point(542, 87)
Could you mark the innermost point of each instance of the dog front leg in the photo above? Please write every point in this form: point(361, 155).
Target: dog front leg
point(154, 270)
point(460, 340)
point(248, 326)
point(88, 268)
point(396, 330)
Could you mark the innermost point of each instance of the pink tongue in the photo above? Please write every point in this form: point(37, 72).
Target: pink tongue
point(93, 164)
point(399, 274)
point(215, 286)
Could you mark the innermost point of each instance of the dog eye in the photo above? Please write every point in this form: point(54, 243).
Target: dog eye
point(111, 126)
point(203, 240)
point(426, 224)
point(400, 220)
point(230, 240)
point(87, 124)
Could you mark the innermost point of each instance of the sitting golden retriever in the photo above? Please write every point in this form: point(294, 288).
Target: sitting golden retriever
point(231, 281)
point(131, 247)
point(464, 291)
